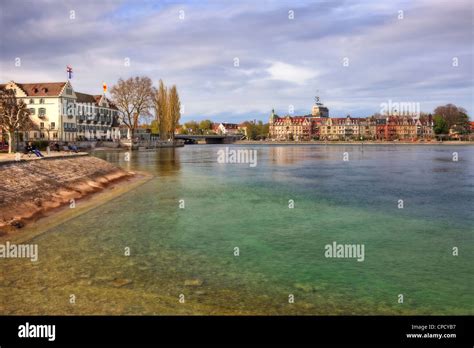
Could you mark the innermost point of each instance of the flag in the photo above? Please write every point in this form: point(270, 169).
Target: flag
point(69, 71)
point(104, 87)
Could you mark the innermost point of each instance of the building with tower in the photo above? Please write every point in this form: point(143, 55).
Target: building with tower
point(298, 127)
point(319, 126)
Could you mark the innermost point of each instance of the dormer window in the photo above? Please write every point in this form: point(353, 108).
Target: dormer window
point(45, 90)
point(35, 90)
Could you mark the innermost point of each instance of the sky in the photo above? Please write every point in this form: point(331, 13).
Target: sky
point(237, 60)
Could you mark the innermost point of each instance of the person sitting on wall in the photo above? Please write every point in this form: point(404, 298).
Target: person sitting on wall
point(32, 148)
point(28, 149)
point(56, 146)
point(37, 152)
point(73, 148)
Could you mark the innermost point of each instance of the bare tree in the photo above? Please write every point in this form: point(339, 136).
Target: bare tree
point(14, 116)
point(143, 98)
point(133, 97)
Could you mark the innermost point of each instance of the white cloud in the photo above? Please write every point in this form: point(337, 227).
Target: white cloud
point(291, 73)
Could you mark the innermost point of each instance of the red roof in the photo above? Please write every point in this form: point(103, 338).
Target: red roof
point(48, 89)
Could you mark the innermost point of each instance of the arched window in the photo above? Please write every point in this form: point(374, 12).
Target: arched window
point(41, 101)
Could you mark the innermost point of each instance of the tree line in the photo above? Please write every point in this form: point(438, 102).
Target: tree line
point(254, 130)
point(136, 96)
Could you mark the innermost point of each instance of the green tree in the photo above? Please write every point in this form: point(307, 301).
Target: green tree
point(161, 109)
point(192, 127)
point(155, 127)
point(205, 126)
point(252, 130)
point(453, 116)
point(440, 125)
point(174, 110)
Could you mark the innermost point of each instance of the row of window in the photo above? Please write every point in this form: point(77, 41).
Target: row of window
point(86, 110)
point(41, 111)
point(41, 101)
point(52, 125)
point(83, 128)
point(42, 135)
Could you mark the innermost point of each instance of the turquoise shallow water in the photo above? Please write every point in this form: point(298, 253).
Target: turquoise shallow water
point(190, 251)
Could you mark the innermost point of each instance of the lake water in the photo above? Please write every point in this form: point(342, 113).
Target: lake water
point(182, 228)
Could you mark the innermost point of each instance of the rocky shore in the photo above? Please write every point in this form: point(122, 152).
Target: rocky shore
point(30, 189)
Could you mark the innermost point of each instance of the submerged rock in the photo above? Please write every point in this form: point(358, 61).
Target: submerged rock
point(84, 282)
point(305, 287)
point(119, 282)
point(193, 282)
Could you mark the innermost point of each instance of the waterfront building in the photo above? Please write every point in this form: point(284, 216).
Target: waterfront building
point(97, 118)
point(297, 128)
point(341, 128)
point(318, 125)
point(227, 129)
point(60, 113)
point(404, 128)
point(51, 107)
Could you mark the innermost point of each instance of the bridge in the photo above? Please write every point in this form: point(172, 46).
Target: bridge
point(209, 139)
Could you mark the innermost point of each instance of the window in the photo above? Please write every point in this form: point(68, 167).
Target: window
point(41, 101)
point(41, 125)
point(31, 111)
point(69, 91)
point(41, 112)
point(52, 125)
point(32, 101)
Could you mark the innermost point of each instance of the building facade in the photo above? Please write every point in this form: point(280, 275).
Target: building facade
point(96, 118)
point(320, 126)
point(59, 113)
point(298, 127)
point(227, 129)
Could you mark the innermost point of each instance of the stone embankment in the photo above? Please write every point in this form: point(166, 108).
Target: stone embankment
point(29, 189)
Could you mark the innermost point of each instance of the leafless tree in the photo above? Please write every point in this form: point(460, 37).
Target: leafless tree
point(134, 98)
point(14, 115)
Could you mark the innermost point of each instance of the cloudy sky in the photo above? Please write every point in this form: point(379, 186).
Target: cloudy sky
point(354, 54)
